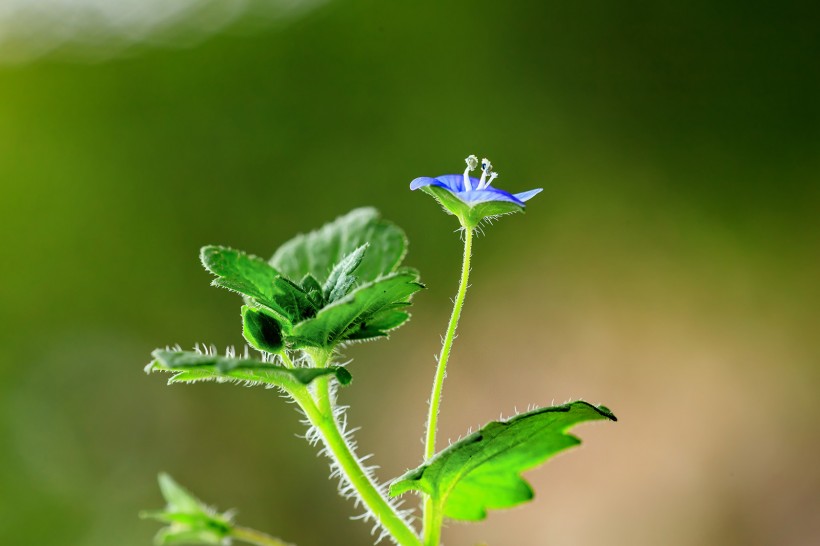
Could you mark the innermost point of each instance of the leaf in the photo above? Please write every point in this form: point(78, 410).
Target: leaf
point(189, 520)
point(190, 366)
point(293, 300)
point(316, 253)
point(341, 277)
point(482, 471)
point(371, 301)
point(262, 330)
point(243, 273)
point(379, 325)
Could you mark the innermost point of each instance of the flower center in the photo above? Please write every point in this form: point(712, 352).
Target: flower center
point(487, 173)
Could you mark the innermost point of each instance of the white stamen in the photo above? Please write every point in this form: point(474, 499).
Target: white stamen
point(493, 176)
point(472, 163)
point(486, 168)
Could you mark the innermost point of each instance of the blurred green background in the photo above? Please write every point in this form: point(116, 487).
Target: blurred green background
point(669, 269)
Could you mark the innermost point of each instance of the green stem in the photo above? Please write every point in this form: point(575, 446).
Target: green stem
point(432, 512)
point(252, 536)
point(323, 419)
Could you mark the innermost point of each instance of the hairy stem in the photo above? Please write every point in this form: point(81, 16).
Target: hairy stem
point(432, 515)
point(252, 536)
point(321, 416)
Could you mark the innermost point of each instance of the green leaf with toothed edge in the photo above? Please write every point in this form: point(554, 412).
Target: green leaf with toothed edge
point(482, 471)
point(245, 274)
point(190, 367)
point(367, 312)
point(316, 253)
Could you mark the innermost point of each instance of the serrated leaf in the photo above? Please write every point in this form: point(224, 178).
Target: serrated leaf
point(316, 253)
point(379, 325)
point(343, 318)
point(189, 366)
point(482, 471)
point(293, 300)
point(341, 277)
point(262, 330)
point(245, 274)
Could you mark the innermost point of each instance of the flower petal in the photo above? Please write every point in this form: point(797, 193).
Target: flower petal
point(455, 182)
point(488, 194)
point(527, 195)
point(425, 181)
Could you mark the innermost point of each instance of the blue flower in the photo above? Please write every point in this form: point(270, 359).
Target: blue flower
point(472, 199)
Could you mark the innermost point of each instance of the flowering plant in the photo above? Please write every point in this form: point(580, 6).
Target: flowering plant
point(345, 283)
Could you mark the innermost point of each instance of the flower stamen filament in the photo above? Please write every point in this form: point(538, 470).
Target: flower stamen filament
point(486, 170)
point(472, 163)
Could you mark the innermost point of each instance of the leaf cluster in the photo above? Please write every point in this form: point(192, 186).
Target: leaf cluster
point(338, 284)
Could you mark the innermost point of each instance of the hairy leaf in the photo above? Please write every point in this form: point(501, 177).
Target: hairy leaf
point(345, 318)
point(189, 520)
point(341, 277)
point(316, 253)
point(482, 471)
point(293, 300)
point(379, 325)
point(190, 366)
point(262, 330)
point(244, 273)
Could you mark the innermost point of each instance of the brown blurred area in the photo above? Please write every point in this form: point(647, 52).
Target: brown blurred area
point(669, 270)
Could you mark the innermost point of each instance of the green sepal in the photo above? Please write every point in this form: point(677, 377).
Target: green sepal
point(316, 253)
point(470, 216)
point(346, 318)
point(482, 471)
point(190, 367)
point(262, 330)
point(189, 520)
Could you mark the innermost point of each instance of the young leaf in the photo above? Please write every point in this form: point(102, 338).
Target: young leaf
point(341, 277)
point(342, 319)
point(262, 330)
point(189, 367)
point(379, 325)
point(245, 274)
point(482, 471)
point(189, 520)
point(309, 284)
point(316, 253)
point(293, 300)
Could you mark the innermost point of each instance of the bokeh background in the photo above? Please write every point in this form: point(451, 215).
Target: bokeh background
point(669, 269)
